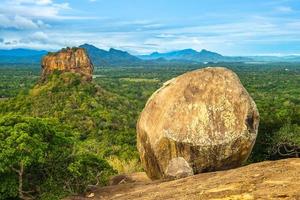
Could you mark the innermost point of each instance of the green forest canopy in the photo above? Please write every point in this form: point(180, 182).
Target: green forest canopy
point(98, 120)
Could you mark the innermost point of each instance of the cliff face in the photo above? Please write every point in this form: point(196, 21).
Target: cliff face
point(68, 60)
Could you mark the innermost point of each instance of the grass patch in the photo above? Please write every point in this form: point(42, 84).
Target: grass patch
point(125, 166)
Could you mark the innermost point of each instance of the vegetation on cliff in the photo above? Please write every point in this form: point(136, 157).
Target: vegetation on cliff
point(95, 119)
point(99, 116)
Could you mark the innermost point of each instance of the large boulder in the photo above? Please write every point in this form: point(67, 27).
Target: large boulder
point(204, 120)
point(74, 60)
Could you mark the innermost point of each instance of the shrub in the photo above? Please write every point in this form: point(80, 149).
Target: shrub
point(286, 142)
point(125, 166)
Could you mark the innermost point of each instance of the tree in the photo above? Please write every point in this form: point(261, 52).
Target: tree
point(40, 155)
point(23, 143)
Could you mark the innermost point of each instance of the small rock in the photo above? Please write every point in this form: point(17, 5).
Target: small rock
point(90, 195)
point(178, 168)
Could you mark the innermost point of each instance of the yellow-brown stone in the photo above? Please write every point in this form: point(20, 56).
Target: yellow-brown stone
point(68, 60)
point(205, 116)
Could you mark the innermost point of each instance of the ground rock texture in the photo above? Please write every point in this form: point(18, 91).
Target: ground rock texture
point(205, 117)
point(272, 180)
point(68, 60)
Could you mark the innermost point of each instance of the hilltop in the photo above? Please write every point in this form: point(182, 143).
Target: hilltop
point(68, 60)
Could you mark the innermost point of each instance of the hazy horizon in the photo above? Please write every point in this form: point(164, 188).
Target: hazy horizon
point(238, 28)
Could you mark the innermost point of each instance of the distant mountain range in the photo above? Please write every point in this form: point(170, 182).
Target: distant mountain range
point(193, 55)
point(114, 57)
point(111, 57)
point(291, 58)
point(21, 56)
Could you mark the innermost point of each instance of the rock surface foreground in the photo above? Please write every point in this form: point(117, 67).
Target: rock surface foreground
point(68, 60)
point(270, 180)
point(206, 117)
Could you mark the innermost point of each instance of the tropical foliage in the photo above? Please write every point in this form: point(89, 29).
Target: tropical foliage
point(66, 133)
point(41, 158)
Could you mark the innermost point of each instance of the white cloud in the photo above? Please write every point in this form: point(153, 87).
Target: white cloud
point(37, 2)
point(34, 38)
point(35, 9)
point(4, 21)
point(284, 9)
point(42, 24)
point(43, 2)
point(63, 6)
point(39, 36)
point(18, 22)
point(163, 35)
point(24, 23)
point(32, 12)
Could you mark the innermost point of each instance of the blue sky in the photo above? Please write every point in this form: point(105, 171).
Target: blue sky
point(230, 27)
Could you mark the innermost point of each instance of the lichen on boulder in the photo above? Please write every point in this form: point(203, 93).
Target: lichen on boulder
point(74, 60)
point(205, 117)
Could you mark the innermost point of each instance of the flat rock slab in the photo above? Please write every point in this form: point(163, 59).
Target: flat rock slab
point(266, 180)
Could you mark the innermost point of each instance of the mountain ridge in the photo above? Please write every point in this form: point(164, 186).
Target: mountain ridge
point(115, 57)
point(21, 56)
point(195, 56)
point(185, 54)
point(111, 57)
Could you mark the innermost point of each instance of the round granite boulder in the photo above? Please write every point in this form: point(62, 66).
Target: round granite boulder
point(205, 119)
